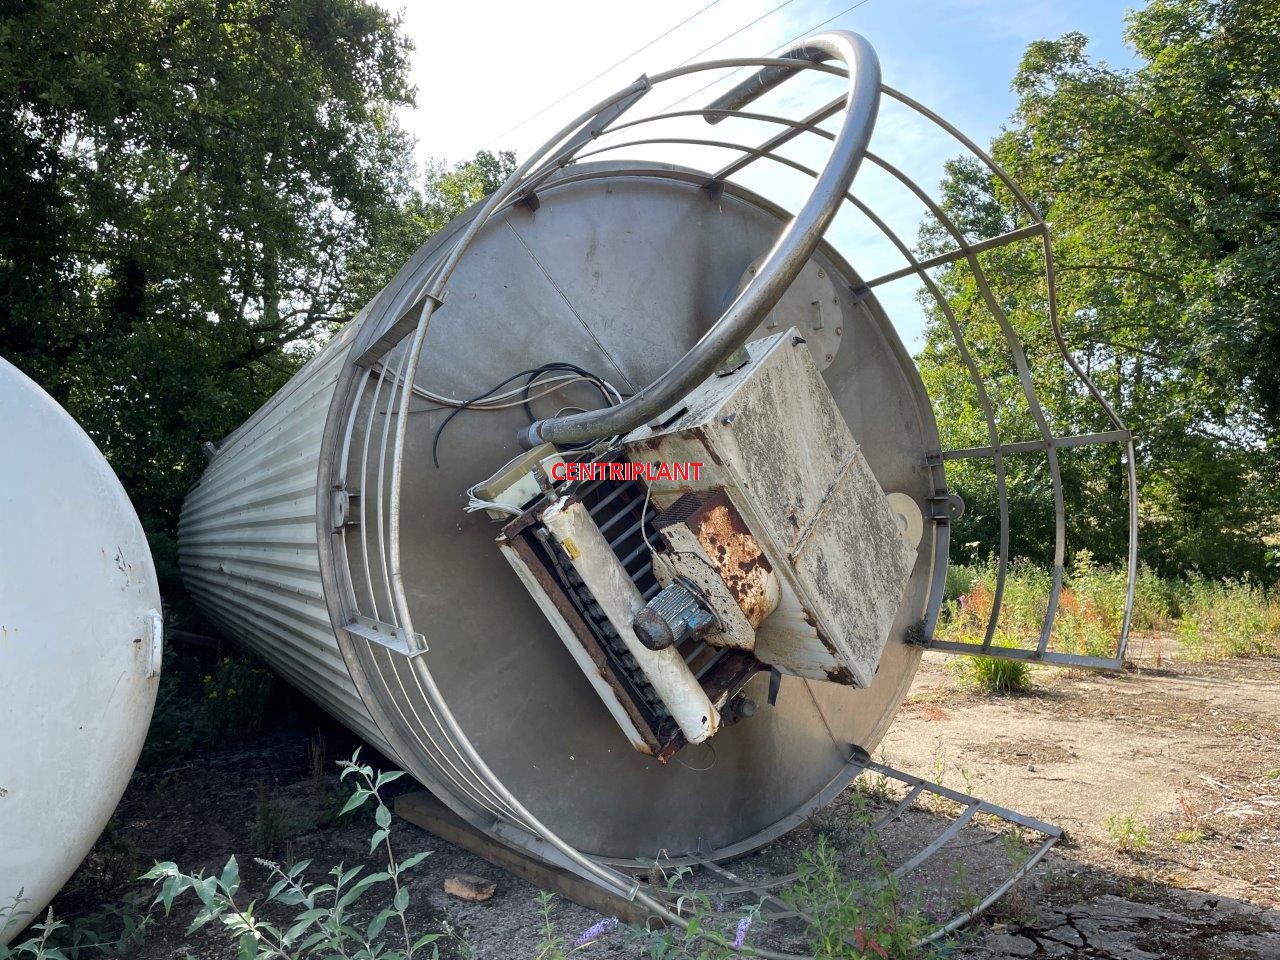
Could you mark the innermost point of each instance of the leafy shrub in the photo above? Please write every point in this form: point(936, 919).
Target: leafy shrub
point(237, 696)
point(1128, 835)
point(1229, 619)
point(1210, 618)
point(849, 919)
point(960, 580)
point(322, 922)
point(993, 675)
point(113, 931)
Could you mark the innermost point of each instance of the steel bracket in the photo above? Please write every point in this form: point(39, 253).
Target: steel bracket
point(394, 638)
point(734, 362)
point(859, 293)
point(341, 508)
point(945, 507)
point(155, 643)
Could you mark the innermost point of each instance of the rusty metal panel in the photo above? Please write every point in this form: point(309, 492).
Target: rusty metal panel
point(580, 643)
point(772, 436)
point(725, 545)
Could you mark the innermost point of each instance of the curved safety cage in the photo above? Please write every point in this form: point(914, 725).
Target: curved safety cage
point(454, 320)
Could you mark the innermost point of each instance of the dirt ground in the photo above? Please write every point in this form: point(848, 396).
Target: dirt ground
point(1187, 754)
point(1183, 759)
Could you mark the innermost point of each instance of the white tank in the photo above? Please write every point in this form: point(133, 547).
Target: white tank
point(80, 644)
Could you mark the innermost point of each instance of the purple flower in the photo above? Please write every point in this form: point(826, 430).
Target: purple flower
point(596, 931)
point(740, 934)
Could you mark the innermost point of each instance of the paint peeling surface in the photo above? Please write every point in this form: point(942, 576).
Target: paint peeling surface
point(730, 549)
point(738, 559)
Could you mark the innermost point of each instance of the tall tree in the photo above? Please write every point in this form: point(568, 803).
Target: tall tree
point(196, 193)
point(1161, 189)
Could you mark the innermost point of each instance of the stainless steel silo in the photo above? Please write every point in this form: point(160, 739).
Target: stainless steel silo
point(346, 531)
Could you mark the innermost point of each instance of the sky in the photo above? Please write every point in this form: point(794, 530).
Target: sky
point(512, 82)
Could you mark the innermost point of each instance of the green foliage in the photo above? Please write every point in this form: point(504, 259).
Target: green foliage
point(1229, 619)
point(206, 696)
point(1127, 834)
point(447, 192)
point(551, 944)
point(322, 915)
point(274, 822)
point(1211, 619)
point(115, 857)
point(994, 676)
point(196, 194)
point(279, 818)
point(708, 933)
point(849, 919)
point(1161, 193)
point(237, 697)
point(172, 734)
point(325, 804)
point(113, 931)
point(184, 182)
point(959, 582)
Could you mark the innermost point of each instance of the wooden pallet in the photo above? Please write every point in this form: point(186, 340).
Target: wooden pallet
point(425, 811)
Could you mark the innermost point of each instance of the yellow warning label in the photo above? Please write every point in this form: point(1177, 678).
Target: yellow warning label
point(571, 548)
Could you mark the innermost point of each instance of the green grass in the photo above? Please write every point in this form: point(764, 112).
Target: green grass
point(1229, 619)
point(992, 675)
point(1127, 834)
point(1209, 619)
point(852, 920)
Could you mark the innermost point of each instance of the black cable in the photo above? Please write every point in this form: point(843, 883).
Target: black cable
point(533, 373)
point(555, 367)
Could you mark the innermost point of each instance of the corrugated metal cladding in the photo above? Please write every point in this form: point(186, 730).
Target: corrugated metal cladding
point(247, 542)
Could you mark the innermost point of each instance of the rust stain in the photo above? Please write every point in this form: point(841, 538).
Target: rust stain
point(737, 557)
point(701, 434)
point(839, 675)
point(830, 647)
point(728, 676)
